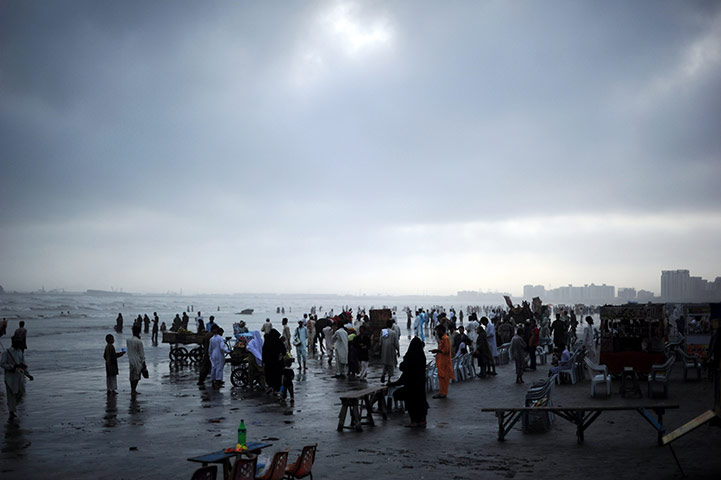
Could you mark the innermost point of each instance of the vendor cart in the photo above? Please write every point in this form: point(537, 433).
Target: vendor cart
point(632, 336)
point(239, 358)
point(179, 353)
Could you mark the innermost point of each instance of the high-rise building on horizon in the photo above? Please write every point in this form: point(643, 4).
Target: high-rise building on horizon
point(680, 286)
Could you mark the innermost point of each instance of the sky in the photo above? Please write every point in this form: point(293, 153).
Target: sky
point(402, 147)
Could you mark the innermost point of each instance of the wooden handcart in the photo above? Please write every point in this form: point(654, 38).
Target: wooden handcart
point(179, 353)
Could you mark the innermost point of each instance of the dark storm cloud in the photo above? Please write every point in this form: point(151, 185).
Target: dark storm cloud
point(238, 117)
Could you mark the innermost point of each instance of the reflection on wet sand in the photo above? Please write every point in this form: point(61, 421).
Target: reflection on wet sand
point(15, 440)
point(111, 411)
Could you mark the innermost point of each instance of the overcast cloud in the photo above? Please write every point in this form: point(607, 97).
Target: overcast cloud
point(344, 147)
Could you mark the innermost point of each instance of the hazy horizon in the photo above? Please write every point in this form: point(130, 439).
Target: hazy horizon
point(397, 147)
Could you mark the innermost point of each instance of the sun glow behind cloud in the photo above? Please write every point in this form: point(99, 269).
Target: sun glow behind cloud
point(353, 35)
point(341, 35)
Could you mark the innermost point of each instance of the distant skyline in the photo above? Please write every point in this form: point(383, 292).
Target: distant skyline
point(346, 147)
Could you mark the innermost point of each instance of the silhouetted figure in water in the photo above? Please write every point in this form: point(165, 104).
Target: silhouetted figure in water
point(176, 323)
point(146, 322)
point(119, 323)
point(156, 320)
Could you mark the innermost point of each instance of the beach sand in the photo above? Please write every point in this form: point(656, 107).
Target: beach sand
point(69, 427)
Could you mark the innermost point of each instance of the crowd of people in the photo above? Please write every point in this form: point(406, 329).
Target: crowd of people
point(345, 340)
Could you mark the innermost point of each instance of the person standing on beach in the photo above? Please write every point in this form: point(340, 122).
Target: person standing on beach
point(12, 362)
point(273, 359)
point(286, 334)
point(533, 341)
point(267, 327)
point(205, 364)
point(217, 351)
point(199, 323)
point(483, 352)
point(156, 320)
point(518, 353)
point(413, 379)
point(300, 340)
point(176, 323)
point(119, 323)
point(472, 331)
point(588, 341)
point(21, 334)
point(364, 346)
point(444, 364)
point(559, 328)
point(340, 346)
point(136, 359)
point(146, 322)
point(328, 338)
point(491, 337)
point(184, 321)
point(390, 351)
point(111, 365)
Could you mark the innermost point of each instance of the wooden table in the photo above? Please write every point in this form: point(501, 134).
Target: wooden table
point(356, 400)
point(582, 417)
point(224, 458)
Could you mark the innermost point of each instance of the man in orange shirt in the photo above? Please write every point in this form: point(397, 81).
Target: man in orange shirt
point(443, 361)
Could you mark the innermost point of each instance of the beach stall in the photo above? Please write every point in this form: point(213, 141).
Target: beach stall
point(698, 328)
point(632, 336)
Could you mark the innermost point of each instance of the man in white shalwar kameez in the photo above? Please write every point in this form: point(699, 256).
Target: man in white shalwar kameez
point(340, 346)
point(217, 351)
point(328, 337)
point(12, 362)
point(491, 336)
point(471, 331)
point(136, 359)
point(588, 342)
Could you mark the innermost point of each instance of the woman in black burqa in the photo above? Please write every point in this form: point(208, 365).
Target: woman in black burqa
point(413, 379)
point(273, 354)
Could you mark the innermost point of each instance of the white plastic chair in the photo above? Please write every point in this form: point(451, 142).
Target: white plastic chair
point(660, 374)
point(570, 370)
point(503, 353)
point(432, 382)
point(690, 362)
point(599, 375)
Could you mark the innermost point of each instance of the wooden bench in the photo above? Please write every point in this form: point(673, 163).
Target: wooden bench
point(356, 401)
point(582, 417)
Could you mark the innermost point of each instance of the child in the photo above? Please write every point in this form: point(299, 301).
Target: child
point(111, 365)
point(518, 349)
point(287, 380)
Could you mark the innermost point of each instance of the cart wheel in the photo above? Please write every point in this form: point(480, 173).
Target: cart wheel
point(239, 376)
point(196, 355)
point(179, 354)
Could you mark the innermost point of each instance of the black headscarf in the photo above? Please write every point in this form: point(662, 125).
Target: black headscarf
point(413, 365)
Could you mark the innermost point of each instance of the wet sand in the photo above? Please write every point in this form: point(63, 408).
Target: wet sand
point(69, 427)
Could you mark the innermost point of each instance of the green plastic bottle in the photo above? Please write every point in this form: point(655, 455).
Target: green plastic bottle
point(241, 432)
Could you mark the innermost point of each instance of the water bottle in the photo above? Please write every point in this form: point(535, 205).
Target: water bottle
point(241, 432)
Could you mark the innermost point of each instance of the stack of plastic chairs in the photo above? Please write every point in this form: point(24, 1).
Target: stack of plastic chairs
point(432, 377)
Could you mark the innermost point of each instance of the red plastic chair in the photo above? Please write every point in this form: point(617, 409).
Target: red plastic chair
point(276, 468)
point(302, 466)
point(244, 467)
point(205, 473)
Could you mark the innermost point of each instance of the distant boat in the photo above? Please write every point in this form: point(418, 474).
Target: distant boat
point(247, 311)
point(104, 292)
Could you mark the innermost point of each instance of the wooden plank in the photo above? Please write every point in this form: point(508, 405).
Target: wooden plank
point(361, 393)
point(589, 408)
point(688, 427)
